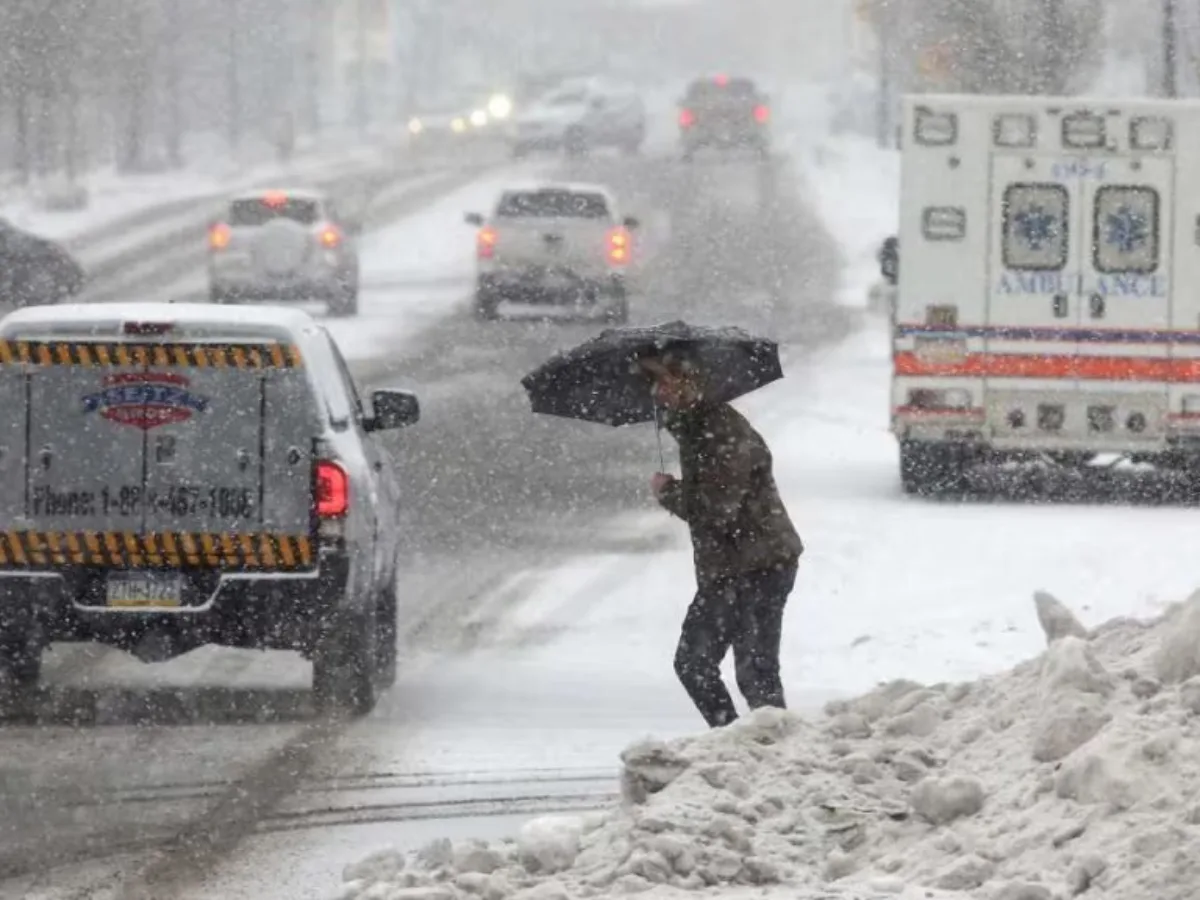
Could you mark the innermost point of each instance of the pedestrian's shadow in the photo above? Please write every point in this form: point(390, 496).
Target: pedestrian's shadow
point(91, 707)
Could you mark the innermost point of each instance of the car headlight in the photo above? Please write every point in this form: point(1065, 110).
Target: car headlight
point(479, 118)
point(415, 126)
point(499, 106)
point(458, 125)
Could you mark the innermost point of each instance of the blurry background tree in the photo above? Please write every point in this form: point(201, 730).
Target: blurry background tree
point(146, 84)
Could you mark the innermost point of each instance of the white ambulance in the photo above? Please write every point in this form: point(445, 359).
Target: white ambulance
point(1048, 300)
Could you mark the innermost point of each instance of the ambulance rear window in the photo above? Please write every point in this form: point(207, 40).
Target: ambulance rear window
point(1126, 229)
point(1035, 226)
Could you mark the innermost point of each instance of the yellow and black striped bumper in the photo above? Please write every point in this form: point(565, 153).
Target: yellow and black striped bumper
point(257, 552)
point(128, 354)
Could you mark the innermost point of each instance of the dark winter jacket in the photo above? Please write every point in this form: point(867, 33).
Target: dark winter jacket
point(727, 495)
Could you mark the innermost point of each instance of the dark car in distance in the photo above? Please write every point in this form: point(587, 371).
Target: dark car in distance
point(724, 113)
point(35, 271)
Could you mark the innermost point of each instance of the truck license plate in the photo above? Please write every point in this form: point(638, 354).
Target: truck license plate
point(145, 590)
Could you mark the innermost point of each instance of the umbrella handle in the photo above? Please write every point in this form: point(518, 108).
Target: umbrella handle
point(662, 464)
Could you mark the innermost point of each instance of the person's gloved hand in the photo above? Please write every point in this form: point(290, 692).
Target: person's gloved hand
point(659, 482)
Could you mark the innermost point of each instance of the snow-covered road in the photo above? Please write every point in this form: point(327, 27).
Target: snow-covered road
point(544, 591)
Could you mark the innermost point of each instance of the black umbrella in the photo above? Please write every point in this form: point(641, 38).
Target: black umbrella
point(601, 381)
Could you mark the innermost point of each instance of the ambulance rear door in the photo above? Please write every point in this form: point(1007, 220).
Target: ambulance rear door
point(1035, 254)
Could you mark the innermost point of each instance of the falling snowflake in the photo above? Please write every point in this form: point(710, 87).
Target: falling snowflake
point(1035, 226)
point(1126, 230)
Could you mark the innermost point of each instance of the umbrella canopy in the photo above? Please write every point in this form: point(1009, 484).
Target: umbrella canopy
point(601, 381)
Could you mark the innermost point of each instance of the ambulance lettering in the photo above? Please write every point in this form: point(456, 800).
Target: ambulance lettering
point(1048, 283)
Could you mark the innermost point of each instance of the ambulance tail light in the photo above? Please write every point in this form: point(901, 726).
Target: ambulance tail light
point(934, 399)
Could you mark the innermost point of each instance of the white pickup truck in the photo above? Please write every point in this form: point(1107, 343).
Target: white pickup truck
point(554, 244)
point(187, 474)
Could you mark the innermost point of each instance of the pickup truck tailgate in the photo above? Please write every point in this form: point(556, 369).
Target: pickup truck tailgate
point(577, 245)
point(170, 455)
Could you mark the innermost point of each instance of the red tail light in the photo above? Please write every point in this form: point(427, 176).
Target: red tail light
point(618, 246)
point(761, 114)
point(330, 237)
point(218, 236)
point(687, 118)
point(485, 242)
point(332, 490)
point(722, 80)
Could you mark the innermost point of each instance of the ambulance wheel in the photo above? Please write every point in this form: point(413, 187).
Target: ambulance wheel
point(929, 468)
point(345, 665)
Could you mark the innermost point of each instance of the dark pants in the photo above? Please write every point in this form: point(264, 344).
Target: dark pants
point(743, 612)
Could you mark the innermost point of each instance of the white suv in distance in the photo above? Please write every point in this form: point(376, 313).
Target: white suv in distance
point(284, 245)
point(580, 116)
point(554, 244)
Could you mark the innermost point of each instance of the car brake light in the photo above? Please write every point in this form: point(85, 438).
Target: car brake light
point(618, 246)
point(218, 236)
point(761, 114)
point(330, 237)
point(722, 80)
point(332, 490)
point(486, 242)
point(687, 118)
point(274, 198)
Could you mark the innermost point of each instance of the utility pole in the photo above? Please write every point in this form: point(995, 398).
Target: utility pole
point(1170, 46)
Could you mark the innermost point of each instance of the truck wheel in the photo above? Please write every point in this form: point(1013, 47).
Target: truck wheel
point(345, 301)
point(345, 665)
point(929, 468)
point(385, 621)
point(486, 305)
point(20, 664)
point(617, 311)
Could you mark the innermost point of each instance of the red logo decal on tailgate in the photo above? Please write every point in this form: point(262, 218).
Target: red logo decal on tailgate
point(145, 400)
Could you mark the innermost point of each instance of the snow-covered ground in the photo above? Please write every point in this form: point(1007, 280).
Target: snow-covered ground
point(890, 587)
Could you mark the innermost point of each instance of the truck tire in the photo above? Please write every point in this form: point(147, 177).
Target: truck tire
point(20, 658)
point(345, 301)
point(486, 305)
point(387, 635)
point(617, 311)
point(345, 669)
point(928, 468)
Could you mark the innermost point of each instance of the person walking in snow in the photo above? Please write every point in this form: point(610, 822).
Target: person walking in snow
point(745, 548)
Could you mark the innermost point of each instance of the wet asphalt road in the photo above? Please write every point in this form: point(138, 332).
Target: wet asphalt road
point(492, 489)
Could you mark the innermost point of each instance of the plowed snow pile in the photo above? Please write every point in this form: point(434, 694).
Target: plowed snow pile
point(1076, 773)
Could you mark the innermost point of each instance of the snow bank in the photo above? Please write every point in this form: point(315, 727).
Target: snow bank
point(1075, 773)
